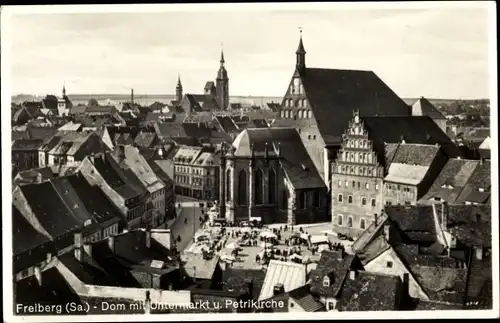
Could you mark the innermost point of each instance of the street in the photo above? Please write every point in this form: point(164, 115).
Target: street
point(186, 230)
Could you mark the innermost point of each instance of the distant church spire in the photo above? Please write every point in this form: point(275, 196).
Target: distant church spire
point(222, 61)
point(301, 55)
point(178, 89)
point(222, 84)
point(64, 89)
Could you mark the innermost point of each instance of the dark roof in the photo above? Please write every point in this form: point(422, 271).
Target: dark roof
point(442, 284)
point(238, 280)
point(227, 124)
point(451, 180)
point(370, 292)
point(340, 92)
point(116, 177)
point(295, 160)
point(55, 290)
point(422, 107)
point(87, 270)
point(41, 132)
point(480, 179)
point(209, 85)
point(417, 222)
point(17, 135)
point(480, 279)
point(303, 297)
point(27, 144)
point(415, 154)
point(410, 255)
point(49, 209)
point(470, 224)
point(335, 265)
point(145, 139)
point(152, 116)
point(94, 199)
point(373, 249)
point(414, 130)
point(24, 236)
point(202, 102)
point(102, 109)
point(78, 109)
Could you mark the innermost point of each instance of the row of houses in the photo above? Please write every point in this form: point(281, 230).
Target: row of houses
point(412, 258)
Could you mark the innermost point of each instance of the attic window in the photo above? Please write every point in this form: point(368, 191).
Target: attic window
point(389, 264)
point(326, 281)
point(437, 198)
point(481, 189)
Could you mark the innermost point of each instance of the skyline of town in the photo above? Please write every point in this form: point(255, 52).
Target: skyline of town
point(110, 53)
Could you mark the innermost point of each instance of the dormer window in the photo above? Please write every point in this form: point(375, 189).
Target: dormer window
point(326, 281)
point(481, 189)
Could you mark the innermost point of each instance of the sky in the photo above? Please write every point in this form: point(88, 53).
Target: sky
point(436, 53)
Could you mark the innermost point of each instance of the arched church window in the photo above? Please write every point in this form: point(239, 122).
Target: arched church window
point(242, 188)
point(258, 186)
point(272, 187)
point(290, 103)
point(228, 184)
point(297, 103)
point(309, 112)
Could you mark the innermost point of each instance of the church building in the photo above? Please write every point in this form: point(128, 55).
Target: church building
point(215, 96)
point(319, 103)
point(267, 173)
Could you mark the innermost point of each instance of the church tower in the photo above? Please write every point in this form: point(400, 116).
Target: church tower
point(64, 91)
point(222, 85)
point(178, 90)
point(301, 56)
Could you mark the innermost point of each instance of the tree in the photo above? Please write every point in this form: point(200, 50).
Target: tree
point(93, 103)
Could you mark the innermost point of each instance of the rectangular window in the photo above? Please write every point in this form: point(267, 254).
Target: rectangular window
point(376, 187)
point(363, 201)
point(346, 184)
point(374, 202)
point(340, 183)
point(340, 198)
point(389, 264)
point(339, 220)
point(331, 306)
point(349, 199)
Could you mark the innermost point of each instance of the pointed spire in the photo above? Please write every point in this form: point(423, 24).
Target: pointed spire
point(179, 84)
point(64, 89)
point(222, 61)
point(300, 49)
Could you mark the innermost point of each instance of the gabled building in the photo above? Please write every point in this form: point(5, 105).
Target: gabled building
point(112, 135)
point(478, 187)
point(69, 147)
point(444, 250)
point(314, 95)
point(282, 277)
point(61, 206)
point(121, 186)
point(129, 158)
point(268, 173)
point(451, 182)
point(25, 154)
point(197, 172)
point(375, 167)
point(32, 176)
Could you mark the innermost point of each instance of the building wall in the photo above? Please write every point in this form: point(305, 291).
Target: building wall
point(24, 159)
point(357, 181)
point(400, 194)
point(285, 207)
point(380, 265)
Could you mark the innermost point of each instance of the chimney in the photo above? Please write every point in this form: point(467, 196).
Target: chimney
point(279, 150)
point(387, 232)
point(444, 216)
point(402, 139)
point(111, 243)
point(278, 289)
point(352, 275)
point(481, 161)
point(148, 238)
point(340, 254)
point(77, 241)
point(120, 152)
point(87, 247)
point(375, 219)
point(479, 252)
point(406, 284)
point(49, 257)
point(38, 274)
point(132, 95)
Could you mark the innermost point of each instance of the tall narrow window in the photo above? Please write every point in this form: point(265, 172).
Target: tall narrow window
point(228, 184)
point(284, 199)
point(362, 224)
point(302, 199)
point(339, 220)
point(340, 198)
point(242, 188)
point(363, 201)
point(349, 222)
point(349, 199)
point(317, 199)
point(258, 186)
point(272, 187)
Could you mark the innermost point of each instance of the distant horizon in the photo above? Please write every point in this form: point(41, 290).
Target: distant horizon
point(137, 95)
point(439, 51)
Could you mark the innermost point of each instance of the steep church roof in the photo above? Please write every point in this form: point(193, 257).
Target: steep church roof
point(422, 107)
point(333, 92)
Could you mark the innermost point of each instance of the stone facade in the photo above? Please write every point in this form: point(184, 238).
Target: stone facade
point(357, 181)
